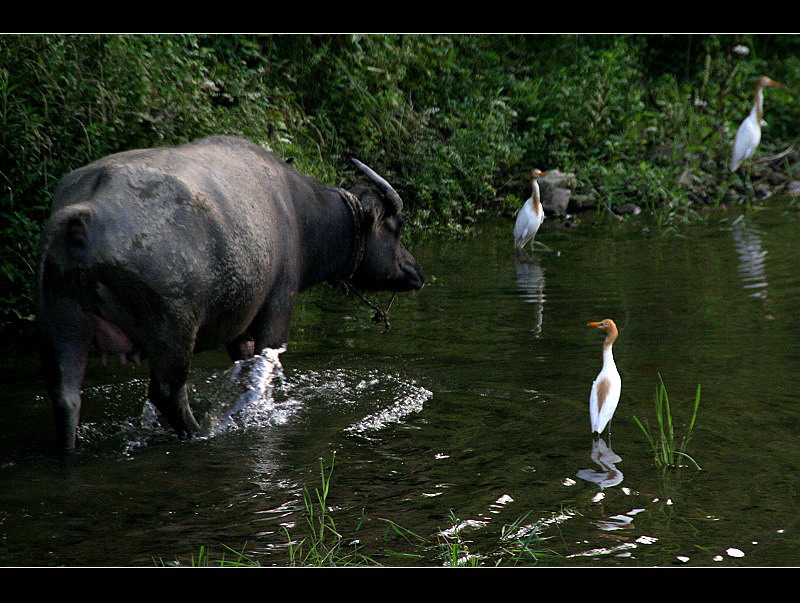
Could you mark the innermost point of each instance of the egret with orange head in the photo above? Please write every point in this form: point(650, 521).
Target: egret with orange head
point(531, 215)
point(607, 386)
point(749, 133)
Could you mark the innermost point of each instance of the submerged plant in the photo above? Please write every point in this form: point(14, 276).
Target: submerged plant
point(525, 542)
point(324, 546)
point(203, 559)
point(239, 559)
point(453, 549)
point(666, 450)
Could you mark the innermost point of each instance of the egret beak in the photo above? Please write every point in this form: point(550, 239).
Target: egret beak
point(594, 324)
point(773, 83)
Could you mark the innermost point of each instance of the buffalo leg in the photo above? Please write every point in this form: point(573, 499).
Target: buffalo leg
point(241, 348)
point(65, 365)
point(273, 332)
point(65, 338)
point(271, 329)
point(168, 391)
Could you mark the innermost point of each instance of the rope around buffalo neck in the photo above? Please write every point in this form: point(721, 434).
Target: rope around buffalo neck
point(357, 211)
point(380, 314)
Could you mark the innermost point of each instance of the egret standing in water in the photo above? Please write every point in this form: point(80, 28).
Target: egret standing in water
point(531, 215)
point(749, 133)
point(608, 385)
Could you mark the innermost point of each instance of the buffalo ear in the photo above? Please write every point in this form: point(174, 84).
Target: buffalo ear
point(369, 217)
point(393, 202)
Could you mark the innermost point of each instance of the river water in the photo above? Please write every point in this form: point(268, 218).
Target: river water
point(469, 417)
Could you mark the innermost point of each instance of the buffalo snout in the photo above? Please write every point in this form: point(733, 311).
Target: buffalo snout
point(413, 278)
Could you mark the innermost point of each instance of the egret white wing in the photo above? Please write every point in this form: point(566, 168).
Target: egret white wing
point(603, 400)
point(744, 145)
point(527, 225)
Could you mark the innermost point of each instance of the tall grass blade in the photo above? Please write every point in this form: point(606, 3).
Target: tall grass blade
point(662, 444)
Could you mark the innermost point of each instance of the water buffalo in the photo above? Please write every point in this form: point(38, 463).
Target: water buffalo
point(163, 252)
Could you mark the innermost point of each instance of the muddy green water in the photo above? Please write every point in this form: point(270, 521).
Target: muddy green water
point(472, 411)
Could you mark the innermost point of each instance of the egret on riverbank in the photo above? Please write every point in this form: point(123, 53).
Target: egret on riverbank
point(531, 215)
point(749, 133)
point(608, 385)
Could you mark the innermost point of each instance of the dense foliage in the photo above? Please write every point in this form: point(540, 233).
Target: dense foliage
point(453, 121)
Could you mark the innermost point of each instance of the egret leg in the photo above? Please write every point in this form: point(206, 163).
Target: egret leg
point(748, 177)
point(545, 247)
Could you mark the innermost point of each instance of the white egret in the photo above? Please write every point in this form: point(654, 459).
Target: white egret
point(608, 385)
point(749, 133)
point(531, 215)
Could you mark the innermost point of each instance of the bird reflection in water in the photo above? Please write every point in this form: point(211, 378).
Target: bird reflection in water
point(530, 282)
point(606, 458)
point(752, 260)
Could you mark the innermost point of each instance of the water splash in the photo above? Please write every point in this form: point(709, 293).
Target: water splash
point(257, 388)
point(256, 394)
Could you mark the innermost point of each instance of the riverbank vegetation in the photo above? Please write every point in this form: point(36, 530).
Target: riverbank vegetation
point(453, 121)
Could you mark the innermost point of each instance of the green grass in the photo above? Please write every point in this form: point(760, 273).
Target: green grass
point(453, 549)
point(204, 559)
point(668, 452)
point(525, 543)
point(324, 545)
point(519, 543)
point(239, 559)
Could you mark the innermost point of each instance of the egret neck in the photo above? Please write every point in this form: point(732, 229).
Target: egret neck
point(758, 103)
point(608, 356)
point(537, 203)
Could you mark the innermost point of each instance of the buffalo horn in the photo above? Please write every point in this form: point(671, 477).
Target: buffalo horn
point(388, 192)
